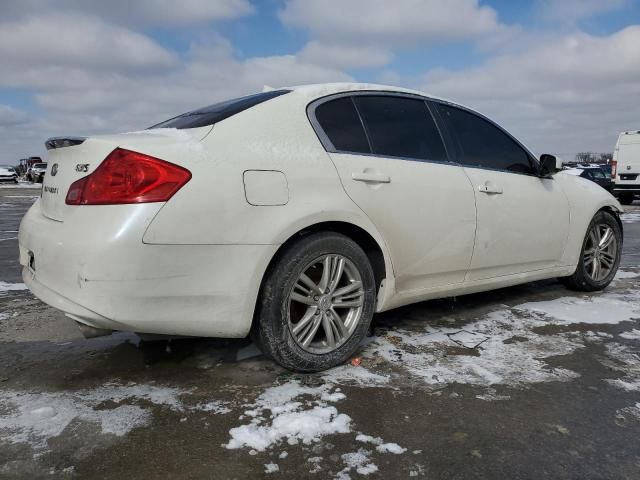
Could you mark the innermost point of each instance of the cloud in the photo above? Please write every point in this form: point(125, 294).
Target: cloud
point(140, 12)
point(344, 56)
point(563, 95)
point(390, 24)
point(10, 116)
point(74, 40)
point(570, 11)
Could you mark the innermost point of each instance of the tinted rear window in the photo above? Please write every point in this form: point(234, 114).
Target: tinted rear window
point(218, 111)
point(400, 127)
point(340, 122)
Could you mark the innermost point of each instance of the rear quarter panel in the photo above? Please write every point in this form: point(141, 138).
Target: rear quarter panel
point(212, 207)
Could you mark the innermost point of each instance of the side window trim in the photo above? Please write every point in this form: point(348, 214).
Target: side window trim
point(453, 142)
point(330, 148)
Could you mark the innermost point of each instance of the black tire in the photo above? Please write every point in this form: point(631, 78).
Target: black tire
point(271, 330)
point(581, 280)
point(626, 198)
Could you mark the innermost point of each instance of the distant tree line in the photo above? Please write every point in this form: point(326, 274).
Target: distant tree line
point(592, 157)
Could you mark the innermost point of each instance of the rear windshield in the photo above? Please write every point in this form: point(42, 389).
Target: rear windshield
point(40, 165)
point(218, 111)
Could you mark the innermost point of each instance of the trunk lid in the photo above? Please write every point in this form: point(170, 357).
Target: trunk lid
point(71, 158)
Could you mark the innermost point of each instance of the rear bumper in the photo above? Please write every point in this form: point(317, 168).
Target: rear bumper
point(107, 278)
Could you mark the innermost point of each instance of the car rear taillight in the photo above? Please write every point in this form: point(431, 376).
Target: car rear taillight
point(614, 169)
point(128, 177)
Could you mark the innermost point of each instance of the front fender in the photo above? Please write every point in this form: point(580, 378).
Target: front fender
point(585, 199)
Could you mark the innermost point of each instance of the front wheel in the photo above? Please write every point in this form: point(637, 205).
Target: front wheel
point(600, 255)
point(316, 303)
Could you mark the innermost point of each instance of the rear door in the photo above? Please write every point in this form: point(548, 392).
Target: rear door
point(393, 164)
point(523, 220)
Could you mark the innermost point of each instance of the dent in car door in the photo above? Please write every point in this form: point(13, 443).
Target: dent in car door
point(522, 219)
point(422, 205)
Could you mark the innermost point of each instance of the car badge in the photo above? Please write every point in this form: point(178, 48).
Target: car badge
point(82, 167)
point(628, 167)
point(54, 169)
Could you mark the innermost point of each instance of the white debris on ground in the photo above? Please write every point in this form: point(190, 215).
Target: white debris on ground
point(34, 418)
point(10, 287)
point(271, 468)
point(628, 412)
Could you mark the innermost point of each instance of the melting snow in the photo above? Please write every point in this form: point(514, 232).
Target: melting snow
point(630, 217)
point(281, 414)
point(359, 461)
point(499, 359)
point(381, 446)
point(271, 468)
point(622, 274)
point(604, 309)
point(36, 417)
point(7, 287)
point(632, 335)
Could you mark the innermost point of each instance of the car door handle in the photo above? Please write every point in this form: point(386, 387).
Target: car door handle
point(370, 177)
point(490, 189)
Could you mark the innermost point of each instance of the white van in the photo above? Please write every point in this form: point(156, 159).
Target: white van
point(625, 170)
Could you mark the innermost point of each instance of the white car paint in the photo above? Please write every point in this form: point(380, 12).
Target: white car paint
point(194, 265)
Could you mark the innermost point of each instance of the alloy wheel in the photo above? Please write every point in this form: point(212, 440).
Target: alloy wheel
point(599, 256)
point(325, 304)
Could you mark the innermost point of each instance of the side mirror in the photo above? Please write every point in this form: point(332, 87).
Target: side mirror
point(547, 165)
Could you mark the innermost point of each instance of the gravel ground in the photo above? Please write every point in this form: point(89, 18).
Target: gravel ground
point(532, 382)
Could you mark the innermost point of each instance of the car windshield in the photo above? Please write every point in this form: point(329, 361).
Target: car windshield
point(218, 111)
point(40, 165)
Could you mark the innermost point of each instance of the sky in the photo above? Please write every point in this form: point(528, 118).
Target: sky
point(562, 75)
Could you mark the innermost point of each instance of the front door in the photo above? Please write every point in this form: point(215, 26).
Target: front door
point(523, 220)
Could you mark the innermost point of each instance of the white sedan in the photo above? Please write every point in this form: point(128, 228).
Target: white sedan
point(295, 214)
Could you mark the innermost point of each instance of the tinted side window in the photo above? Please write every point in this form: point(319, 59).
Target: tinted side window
point(400, 127)
point(340, 122)
point(482, 144)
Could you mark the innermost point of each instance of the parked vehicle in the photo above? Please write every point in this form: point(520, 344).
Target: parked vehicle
point(36, 172)
point(293, 215)
point(8, 174)
point(595, 174)
point(626, 167)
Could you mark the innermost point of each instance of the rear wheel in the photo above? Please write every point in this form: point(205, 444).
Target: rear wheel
point(626, 198)
point(316, 303)
point(600, 255)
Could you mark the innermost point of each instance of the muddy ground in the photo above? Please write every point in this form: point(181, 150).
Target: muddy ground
point(527, 382)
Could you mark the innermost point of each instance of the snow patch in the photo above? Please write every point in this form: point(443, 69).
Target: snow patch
point(281, 413)
point(381, 446)
point(630, 217)
point(632, 335)
point(271, 468)
point(359, 461)
point(604, 309)
point(510, 354)
point(10, 287)
point(623, 274)
point(623, 360)
point(216, 407)
point(34, 418)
